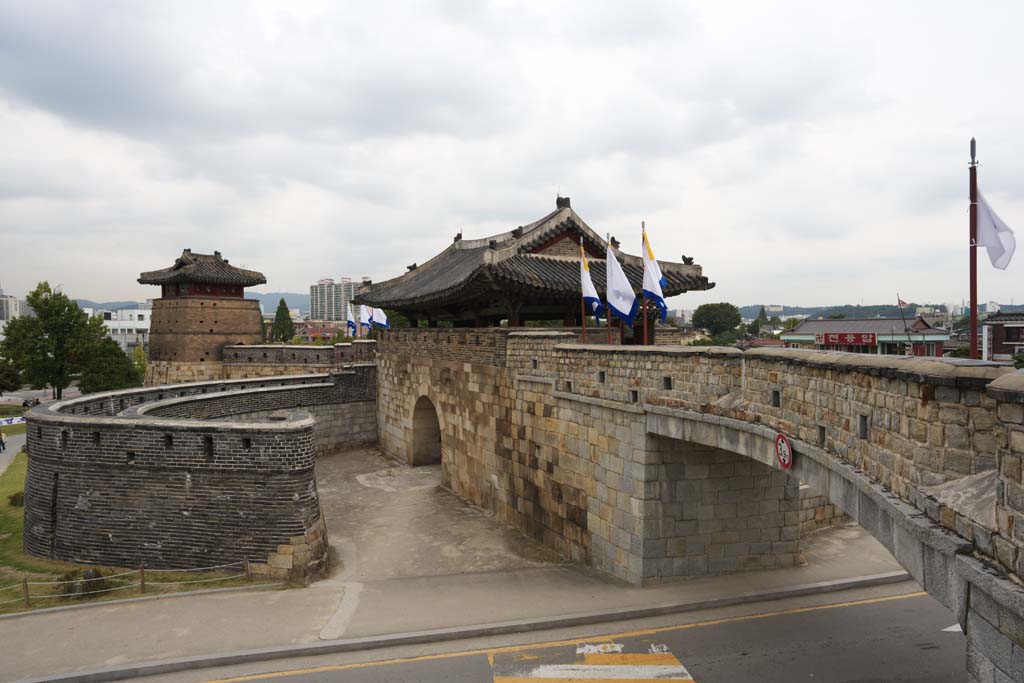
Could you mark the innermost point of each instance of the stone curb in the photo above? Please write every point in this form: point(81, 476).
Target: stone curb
point(142, 598)
point(120, 673)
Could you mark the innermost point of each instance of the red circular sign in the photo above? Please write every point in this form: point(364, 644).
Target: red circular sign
point(783, 451)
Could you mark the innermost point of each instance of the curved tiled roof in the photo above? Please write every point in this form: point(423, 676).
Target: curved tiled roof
point(469, 268)
point(210, 269)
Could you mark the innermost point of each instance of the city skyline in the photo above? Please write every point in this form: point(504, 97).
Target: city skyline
point(828, 157)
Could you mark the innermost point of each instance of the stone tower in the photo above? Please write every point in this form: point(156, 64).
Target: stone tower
point(202, 307)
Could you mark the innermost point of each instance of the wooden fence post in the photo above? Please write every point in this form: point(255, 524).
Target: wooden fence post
point(24, 591)
point(248, 572)
point(142, 577)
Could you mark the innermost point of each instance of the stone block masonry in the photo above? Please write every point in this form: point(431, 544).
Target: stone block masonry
point(244, 361)
point(193, 475)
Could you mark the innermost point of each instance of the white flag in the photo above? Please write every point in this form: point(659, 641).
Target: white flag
point(591, 300)
point(994, 235)
point(351, 321)
point(653, 279)
point(365, 314)
point(378, 317)
point(621, 298)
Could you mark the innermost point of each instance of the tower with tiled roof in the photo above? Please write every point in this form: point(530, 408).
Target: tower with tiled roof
point(202, 307)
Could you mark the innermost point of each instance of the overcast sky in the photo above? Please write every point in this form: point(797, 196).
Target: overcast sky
point(805, 153)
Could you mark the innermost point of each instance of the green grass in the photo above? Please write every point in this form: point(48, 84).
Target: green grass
point(13, 429)
point(12, 411)
point(16, 565)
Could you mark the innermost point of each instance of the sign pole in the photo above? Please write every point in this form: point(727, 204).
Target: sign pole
point(974, 251)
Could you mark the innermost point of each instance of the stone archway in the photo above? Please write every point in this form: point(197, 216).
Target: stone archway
point(426, 433)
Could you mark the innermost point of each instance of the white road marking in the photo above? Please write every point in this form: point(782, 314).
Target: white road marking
point(598, 648)
point(339, 621)
point(613, 671)
point(955, 628)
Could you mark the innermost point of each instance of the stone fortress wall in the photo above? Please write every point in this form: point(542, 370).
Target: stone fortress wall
point(654, 462)
point(194, 474)
point(255, 359)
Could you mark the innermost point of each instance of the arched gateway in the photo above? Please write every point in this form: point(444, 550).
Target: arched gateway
point(426, 433)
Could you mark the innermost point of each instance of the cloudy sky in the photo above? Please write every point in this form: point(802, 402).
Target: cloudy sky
point(805, 153)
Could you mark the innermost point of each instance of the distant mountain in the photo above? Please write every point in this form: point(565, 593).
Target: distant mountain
point(107, 305)
point(270, 300)
point(847, 310)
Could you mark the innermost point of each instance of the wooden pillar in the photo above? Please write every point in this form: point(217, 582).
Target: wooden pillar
point(513, 307)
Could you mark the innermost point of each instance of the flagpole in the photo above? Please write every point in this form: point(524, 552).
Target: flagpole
point(583, 305)
point(608, 304)
point(974, 252)
point(906, 330)
point(643, 299)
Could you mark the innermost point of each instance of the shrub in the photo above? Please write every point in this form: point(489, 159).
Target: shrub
point(17, 499)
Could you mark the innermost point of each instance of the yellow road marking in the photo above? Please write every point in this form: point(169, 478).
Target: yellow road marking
point(517, 679)
point(660, 659)
point(563, 643)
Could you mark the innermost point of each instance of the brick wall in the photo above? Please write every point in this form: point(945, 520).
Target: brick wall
point(172, 494)
point(195, 474)
point(193, 330)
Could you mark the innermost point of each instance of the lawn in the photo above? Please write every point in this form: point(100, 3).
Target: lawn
point(12, 411)
point(13, 429)
point(16, 566)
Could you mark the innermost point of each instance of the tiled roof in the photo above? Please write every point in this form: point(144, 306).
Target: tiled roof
point(866, 326)
point(1001, 317)
point(507, 260)
point(210, 269)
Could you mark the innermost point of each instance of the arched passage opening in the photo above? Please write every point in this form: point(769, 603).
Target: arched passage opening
point(426, 433)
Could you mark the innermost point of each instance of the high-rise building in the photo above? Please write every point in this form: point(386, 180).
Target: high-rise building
point(328, 300)
point(325, 300)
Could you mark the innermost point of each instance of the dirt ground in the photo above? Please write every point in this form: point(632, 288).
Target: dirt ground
point(386, 521)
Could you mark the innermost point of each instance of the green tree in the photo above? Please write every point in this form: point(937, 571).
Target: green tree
point(106, 367)
point(717, 318)
point(283, 328)
point(48, 347)
point(10, 378)
point(835, 316)
point(1018, 361)
point(140, 361)
point(396, 319)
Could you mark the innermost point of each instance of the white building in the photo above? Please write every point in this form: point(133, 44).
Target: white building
point(328, 300)
point(11, 307)
point(129, 327)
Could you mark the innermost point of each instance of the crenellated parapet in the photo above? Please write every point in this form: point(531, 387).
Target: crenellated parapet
point(194, 474)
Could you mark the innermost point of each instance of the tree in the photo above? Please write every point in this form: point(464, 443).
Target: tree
point(10, 378)
point(140, 361)
point(396, 319)
point(1018, 361)
point(48, 347)
point(107, 367)
point(835, 315)
point(717, 318)
point(283, 328)
point(791, 323)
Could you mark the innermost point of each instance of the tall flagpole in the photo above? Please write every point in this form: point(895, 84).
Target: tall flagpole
point(974, 252)
point(583, 307)
point(643, 299)
point(608, 299)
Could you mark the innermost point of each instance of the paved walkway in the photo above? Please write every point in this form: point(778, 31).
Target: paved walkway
point(14, 444)
point(414, 557)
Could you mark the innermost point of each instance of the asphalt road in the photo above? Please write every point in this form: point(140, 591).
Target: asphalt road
point(14, 444)
point(892, 638)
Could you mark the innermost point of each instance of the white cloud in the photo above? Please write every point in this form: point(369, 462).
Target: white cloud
point(806, 153)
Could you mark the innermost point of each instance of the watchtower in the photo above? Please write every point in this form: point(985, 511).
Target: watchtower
point(202, 307)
